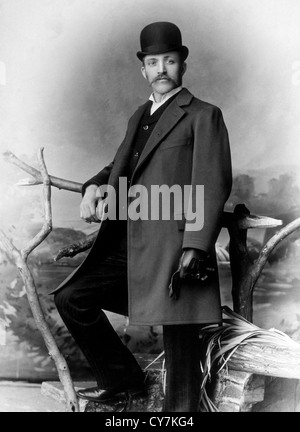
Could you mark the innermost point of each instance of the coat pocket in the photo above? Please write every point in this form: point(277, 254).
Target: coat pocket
point(170, 143)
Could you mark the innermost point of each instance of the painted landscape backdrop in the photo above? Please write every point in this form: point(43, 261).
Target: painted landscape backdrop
point(276, 300)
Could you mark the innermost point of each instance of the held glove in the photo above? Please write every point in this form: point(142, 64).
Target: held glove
point(194, 265)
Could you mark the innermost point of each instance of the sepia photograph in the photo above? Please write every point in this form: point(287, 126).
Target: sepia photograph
point(149, 208)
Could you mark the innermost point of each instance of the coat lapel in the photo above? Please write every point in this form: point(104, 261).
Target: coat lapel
point(133, 125)
point(170, 117)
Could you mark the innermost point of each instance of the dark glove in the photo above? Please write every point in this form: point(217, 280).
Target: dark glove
point(193, 265)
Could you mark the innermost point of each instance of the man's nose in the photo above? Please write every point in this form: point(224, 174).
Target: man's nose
point(161, 67)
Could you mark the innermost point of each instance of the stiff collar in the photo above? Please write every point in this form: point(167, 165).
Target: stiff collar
point(156, 105)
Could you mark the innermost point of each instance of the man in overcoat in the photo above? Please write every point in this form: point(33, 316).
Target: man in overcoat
point(158, 271)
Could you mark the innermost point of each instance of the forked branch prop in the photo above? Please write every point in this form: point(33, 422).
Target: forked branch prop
point(38, 177)
point(20, 257)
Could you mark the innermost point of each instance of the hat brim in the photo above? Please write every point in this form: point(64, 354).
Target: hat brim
point(182, 49)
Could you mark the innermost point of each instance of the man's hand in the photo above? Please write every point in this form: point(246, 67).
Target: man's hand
point(88, 206)
point(194, 265)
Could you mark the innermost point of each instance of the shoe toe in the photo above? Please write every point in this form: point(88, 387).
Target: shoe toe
point(103, 395)
point(93, 392)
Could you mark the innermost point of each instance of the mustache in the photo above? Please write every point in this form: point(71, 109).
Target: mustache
point(160, 77)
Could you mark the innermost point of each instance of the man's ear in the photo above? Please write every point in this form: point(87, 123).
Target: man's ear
point(183, 68)
point(143, 72)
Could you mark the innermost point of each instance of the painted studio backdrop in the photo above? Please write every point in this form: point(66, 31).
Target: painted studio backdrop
point(69, 81)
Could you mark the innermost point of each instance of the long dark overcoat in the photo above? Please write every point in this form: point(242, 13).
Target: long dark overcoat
point(188, 146)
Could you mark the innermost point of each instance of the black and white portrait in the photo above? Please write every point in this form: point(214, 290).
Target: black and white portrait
point(70, 81)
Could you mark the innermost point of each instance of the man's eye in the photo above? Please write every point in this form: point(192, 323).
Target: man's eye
point(171, 61)
point(152, 63)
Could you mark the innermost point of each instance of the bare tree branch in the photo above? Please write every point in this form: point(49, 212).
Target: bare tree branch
point(47, 226)
point(246, 221)
point(243, 222)
point(38, 179)
point(20, 258)
point(76, 247)
point(269, 247)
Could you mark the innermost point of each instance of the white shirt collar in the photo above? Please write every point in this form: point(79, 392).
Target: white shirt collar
point(156, 105)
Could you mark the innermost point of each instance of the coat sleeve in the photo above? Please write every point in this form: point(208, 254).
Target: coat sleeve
point(102, 177)
point(99, 179)
point(211, 168)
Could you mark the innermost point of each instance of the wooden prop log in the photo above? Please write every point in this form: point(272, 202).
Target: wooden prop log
point(266, 359)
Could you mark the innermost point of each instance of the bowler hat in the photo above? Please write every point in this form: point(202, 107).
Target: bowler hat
point(161, 37)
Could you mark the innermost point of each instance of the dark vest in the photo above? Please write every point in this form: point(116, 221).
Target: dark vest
point(145, 128)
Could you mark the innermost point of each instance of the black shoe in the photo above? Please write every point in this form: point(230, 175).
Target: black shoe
point(104, 395)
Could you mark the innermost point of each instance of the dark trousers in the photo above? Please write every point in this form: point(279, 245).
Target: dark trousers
point(104, 286)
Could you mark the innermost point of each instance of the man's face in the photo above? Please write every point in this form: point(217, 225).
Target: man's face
point(163, 71)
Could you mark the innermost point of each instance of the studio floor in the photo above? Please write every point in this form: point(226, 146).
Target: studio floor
point(26, 397)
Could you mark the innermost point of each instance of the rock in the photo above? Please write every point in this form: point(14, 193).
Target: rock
point(151, 402)
point(236, 391)
point(281, 395)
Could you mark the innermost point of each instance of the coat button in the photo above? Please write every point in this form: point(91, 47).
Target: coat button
point(146, 127)
point(136, 154)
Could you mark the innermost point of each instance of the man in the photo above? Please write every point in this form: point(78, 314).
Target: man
point(157, 271)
